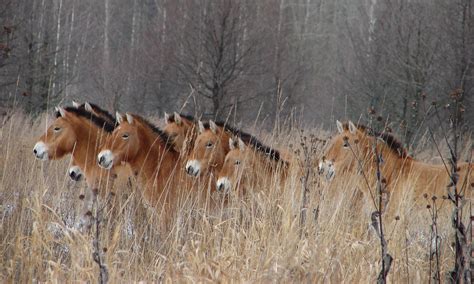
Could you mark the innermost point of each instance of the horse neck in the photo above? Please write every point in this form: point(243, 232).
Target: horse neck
point(189, 139)
point(154, 163)
point(224, 137)
point(87, 147)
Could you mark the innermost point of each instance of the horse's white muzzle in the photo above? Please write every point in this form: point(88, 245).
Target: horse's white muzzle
point(75, 173)
point(41, 151)
point(223, 185)
point(327, 169)
point(193, 168)
point(106, 159)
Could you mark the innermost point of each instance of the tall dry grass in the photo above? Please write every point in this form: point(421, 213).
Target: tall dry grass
point(257, 239)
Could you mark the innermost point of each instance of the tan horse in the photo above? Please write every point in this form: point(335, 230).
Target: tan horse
point(249, 165)
point(77, 132)
point(152, 157)
point(74, 171)
point(210, 148)
point(351, 151)
point(182, 130)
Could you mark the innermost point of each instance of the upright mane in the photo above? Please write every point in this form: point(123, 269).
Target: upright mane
point(249, 139)
point(163, 136)
point(98, 121)
point(188, 117)
point(100, 110)
point(389, 139)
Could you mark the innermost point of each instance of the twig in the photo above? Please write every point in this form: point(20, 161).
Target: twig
point(97, 252)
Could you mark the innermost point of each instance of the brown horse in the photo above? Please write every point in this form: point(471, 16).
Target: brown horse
point(210, 148)
point(352, 151)
point(182, 130)
point(151, 155)
point(74, 171)
point(250, 164)
point(77, 132)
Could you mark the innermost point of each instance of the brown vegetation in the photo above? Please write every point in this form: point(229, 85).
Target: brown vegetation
point(258, 239)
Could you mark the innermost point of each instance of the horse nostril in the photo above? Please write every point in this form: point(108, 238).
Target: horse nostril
point(34, 151)
point(220, 187)
point(73, 174)
point(101, 159)
point(190, 170)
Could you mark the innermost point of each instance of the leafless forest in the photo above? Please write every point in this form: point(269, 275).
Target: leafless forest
point(321, 59)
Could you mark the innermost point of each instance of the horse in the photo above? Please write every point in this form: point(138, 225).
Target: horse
point(182, 130)
point(352, 150)
point(210, 148)
point(78, 132)
point(249, 164)
point(151, 155)
point(74, 171)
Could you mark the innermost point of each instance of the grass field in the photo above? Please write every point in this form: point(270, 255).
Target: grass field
point(258, 239)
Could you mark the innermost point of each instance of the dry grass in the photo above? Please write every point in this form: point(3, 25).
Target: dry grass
point(256, 240)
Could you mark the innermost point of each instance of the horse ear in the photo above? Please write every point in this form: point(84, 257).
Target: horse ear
point(340, 127)
point(201, 127)
point(129, 118)
point(88, 107)
point(241, 145)
point(167, 118)
point(62, 112)
point(177, 118)
point(75, 104)
point(231, 144)
point(118, 117)
point(213, 126)
point(352, 127)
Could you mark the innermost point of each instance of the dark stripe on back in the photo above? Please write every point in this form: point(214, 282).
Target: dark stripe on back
point(98, 121)
point(163, 136)
point(249, 139)
point(188, 117)
point(390, 140)
point(101, 111)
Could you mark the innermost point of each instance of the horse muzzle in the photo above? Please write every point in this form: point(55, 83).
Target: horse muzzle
point(327, 169)
point(223, 185)
point(75, 173)
point(105, 159)
point(41, 151)
point(193, 168)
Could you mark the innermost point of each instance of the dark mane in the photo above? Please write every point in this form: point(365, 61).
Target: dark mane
point(101, 111)
point(163, 136)
point(250, 140)
point(389, 139)
point(188, 117)
point(98, 121)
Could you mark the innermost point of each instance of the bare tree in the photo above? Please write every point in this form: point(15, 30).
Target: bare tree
point(218, 51)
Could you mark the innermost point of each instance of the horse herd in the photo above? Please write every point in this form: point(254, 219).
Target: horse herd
point(225, 159)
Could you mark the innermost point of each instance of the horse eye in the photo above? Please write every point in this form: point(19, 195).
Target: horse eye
point(209, 145)
point(237, 162)
point(345, 144)
point(56, 129)
point(125, 136)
